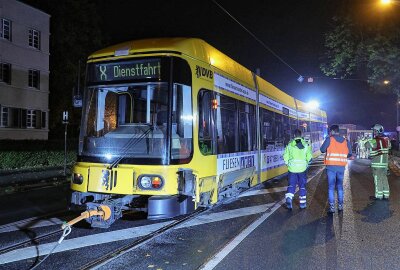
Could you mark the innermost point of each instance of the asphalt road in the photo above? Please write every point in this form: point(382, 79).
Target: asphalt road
point(250, 232)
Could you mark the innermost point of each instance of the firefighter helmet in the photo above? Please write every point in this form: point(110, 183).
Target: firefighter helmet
point(378, 128)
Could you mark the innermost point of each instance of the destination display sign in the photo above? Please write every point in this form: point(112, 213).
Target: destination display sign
point(126, 70)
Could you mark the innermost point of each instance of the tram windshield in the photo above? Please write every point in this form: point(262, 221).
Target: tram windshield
point(131, 121)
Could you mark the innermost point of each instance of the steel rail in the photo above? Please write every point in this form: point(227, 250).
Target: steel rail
point(138, 242)
point(32, 241)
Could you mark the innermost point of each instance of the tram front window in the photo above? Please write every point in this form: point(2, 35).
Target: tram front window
point(131, 121)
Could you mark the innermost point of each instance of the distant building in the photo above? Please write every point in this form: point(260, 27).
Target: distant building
point(24, 71)
point(348, 126)
point(353, 132)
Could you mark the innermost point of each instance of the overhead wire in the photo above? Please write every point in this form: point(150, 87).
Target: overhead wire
point(274, 53)
point(256, 38)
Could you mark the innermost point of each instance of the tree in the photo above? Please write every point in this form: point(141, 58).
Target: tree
point(370, 53)
point(75, 33)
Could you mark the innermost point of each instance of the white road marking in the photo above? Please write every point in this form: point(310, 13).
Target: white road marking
point(345, 233)
point(89, 240)
point(204, 219)
point(211, 264)
point(262, 191)
point(102, 238)
point(220, 216)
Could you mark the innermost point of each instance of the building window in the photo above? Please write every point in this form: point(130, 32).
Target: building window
point(34, 39)
point(4, 117)
point(5, 73)
point(30, 119)
point(5, 29)
point(44, 120)
point(34, 78)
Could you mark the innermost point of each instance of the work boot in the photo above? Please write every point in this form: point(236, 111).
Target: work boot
point(331, 208)
point(340, 207)
point(303, 205)
point(289, 203)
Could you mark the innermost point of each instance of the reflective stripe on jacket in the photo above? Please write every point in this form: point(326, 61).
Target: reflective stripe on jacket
point(336, 153)
point(379, 151)
point(379, 145)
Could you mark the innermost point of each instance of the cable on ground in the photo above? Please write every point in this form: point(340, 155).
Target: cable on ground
point(66, 231)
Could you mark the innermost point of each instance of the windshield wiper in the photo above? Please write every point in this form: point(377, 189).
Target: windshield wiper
point(131, 143)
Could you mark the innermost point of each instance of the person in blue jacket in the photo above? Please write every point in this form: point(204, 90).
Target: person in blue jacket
point(335, 161)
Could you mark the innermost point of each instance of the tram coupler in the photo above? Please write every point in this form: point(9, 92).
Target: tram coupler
point(102, 212)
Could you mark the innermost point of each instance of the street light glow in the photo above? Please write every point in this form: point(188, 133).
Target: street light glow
point(386, 82)
point(386, 2)
point(313, 104)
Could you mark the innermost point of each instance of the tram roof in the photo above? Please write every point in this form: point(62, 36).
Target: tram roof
point(202, 51)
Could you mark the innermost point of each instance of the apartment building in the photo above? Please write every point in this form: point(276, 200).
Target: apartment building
point(24, 71)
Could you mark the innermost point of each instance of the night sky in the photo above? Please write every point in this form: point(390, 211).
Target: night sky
point(294, 30)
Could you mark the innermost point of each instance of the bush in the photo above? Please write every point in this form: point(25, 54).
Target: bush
point(34, 159)
point(37, 145)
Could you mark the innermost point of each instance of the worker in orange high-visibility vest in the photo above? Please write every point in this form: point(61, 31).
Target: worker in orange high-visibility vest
point(337, 150)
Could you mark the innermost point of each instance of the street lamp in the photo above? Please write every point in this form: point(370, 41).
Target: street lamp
point(387, 3)
point(312, 104)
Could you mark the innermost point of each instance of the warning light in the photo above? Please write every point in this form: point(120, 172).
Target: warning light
point(156, 182)
point(214, 104)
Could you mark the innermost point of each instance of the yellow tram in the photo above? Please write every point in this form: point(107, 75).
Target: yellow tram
point(170, 125)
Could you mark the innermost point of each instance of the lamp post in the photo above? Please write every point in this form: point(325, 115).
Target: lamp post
point(398, 105)
point(397, 121)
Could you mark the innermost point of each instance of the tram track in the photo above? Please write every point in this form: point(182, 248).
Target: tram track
point(22, 225)
point(110, 256)
point(29, 242)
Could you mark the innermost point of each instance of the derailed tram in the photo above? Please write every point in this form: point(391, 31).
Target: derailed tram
point(170, 125)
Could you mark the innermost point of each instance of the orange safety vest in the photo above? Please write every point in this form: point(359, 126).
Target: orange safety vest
point(336, 154)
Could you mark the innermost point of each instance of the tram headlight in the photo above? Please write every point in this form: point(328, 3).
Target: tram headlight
point(77, 178)
point(150, 182)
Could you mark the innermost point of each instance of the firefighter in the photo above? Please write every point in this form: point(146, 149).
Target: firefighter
point(297, 156)
point(337, 150)
point(379, 147)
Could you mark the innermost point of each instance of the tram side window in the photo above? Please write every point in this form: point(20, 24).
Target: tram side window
point(267, 127)
point(206, 122)
point(325, 130)
point(314, 131)
point(227, 130)
point(246, 126)
point(304, 126)
point(279, 136)
point(293, 125)
point(286, 129)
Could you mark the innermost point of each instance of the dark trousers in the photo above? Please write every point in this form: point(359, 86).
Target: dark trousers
point(299, 179)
